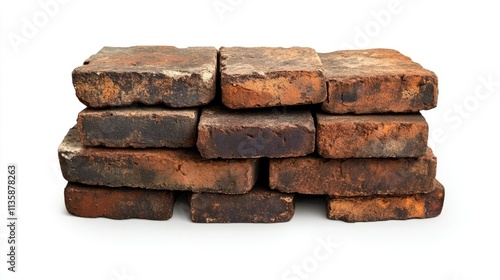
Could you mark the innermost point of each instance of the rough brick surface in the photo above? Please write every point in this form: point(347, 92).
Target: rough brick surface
point(118, 203)
point(266, 77)
point(168, 169)
point(375, 81)
point(259, 205)
point(138, 127)
point(353, 177)
point(380, 208)
point(367, 136)
point(224, 133)
point(147, 74)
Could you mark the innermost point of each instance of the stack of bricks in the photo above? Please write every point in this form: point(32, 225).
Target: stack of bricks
point(242, 130)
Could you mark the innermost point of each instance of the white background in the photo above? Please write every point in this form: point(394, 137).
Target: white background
point(458, 41)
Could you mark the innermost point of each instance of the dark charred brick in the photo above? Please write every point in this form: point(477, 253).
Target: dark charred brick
point(266, 77)
point(381, 208)
point(224, 133)
point(377, 81)
point(138, 127)
point(118, 203)
point(150, 75)
point(259, 205)
point(167, 169)
point(367, 136)
point(353, 177)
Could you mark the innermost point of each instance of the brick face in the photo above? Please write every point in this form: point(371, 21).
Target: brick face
point(266, 77)
point(224, 133)
point(380, 208)
point(368, 136)
point(167, 169)
point(138, 127)
point(377, 81)
point(242, 130)
point(118, 203)
point(353, 177)
point(259, 205)
point(149, 75)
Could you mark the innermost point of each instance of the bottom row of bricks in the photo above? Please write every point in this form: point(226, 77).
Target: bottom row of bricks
point(259, 205)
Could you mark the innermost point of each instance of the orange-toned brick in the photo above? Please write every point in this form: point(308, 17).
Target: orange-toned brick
point(380, 208)
point(176, 77)
point(353, 177)
point(266, 77)
point(166, 169)
point(371, 136)
point(377, 81)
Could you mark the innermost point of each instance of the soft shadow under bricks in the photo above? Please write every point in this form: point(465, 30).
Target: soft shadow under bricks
point(207, 122)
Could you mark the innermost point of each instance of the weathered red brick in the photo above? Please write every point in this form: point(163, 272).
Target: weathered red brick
point(138, 127)
point(380, 208)
point(167, 169)
point(259, 205)
point(377, 81)
point(224, 133)
point(353, 177)
point(266, 77)
point(176, 77)
point(118, 203)
point(367, 136)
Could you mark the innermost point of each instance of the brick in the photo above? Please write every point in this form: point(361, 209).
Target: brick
point(266, 77)
point(381, 208)
point(353, 177)
point(367, 136)
point(377, 81)
point(118, 203)
point(176, 77)
point(167, 169)
point(138, 127)
point(259, 205)
point(224, 133)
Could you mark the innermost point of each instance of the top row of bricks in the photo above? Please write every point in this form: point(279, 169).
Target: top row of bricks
point(350, 81)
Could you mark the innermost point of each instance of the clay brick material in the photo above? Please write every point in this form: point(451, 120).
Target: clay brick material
point(118, 203)
point(138, 127)
point(224, 133)
point(259, 205)
point(381, 208)
point(377, 81)
point(367, 136)
point(353, 177)
point(266, 77)
point(167, 169)
point(150, 75)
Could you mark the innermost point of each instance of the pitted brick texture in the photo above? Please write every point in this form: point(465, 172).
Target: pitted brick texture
point(259, 205)
point(381, 208)
point(167, 169)
point(267, 77)
point(138, 127)
point(377, 81)
point(118, 203)
point(149, 75)
point(353, 177)
point(371, 136)
point(224, 133)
